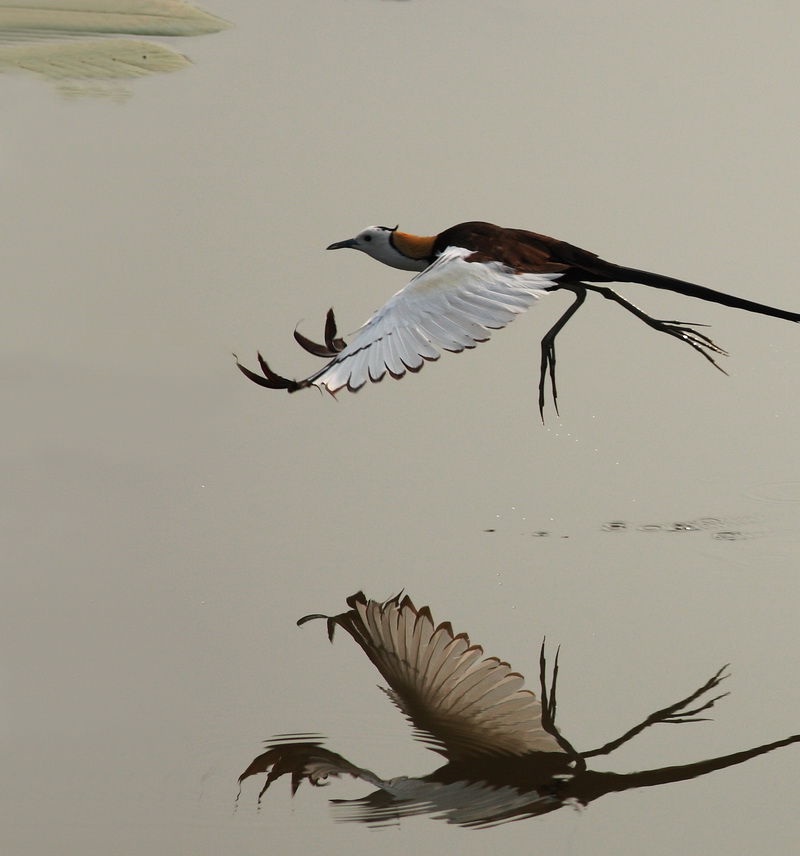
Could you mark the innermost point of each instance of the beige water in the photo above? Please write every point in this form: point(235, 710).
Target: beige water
point(165, 522)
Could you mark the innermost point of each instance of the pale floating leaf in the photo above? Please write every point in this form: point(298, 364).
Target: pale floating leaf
point(132, 17)
point(112, 59)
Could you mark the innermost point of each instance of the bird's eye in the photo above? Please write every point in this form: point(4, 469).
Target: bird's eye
point(367, 237)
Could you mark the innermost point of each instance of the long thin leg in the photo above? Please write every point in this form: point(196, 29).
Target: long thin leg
point(548, 700)
point(700, 342)
point(549, 347)
point(675, 713)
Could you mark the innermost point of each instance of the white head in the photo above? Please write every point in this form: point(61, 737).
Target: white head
point(393, 248)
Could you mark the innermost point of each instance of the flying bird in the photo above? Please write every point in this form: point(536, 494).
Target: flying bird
point(471, 279)
point(505, 756)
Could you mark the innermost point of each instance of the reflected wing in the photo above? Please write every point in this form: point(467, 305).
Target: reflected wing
point(451, 305)
point(462, 704)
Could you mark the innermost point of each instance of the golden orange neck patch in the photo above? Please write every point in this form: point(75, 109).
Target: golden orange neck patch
point(412, 245)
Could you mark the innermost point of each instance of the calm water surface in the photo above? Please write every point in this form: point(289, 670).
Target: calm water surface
point(165, 522)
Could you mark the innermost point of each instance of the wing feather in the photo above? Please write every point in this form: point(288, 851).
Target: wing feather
point(446, 333)
point(405, 348)
point(393, 359)
point(376, 359)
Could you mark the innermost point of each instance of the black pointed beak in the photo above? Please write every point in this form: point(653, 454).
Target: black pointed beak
point(350, 243)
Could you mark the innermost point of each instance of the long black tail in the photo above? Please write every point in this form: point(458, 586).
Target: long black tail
point(657, 280)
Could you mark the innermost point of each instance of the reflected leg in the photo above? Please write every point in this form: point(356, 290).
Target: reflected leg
point(548, 700)
point(673, 714)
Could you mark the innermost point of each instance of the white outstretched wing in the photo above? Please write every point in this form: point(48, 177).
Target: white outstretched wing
point(451, 305)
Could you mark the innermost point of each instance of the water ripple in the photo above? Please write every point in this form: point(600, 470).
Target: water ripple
point(719, 527)
point(776, 492)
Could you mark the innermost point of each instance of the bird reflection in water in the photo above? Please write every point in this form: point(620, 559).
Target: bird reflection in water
point(506, 759)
